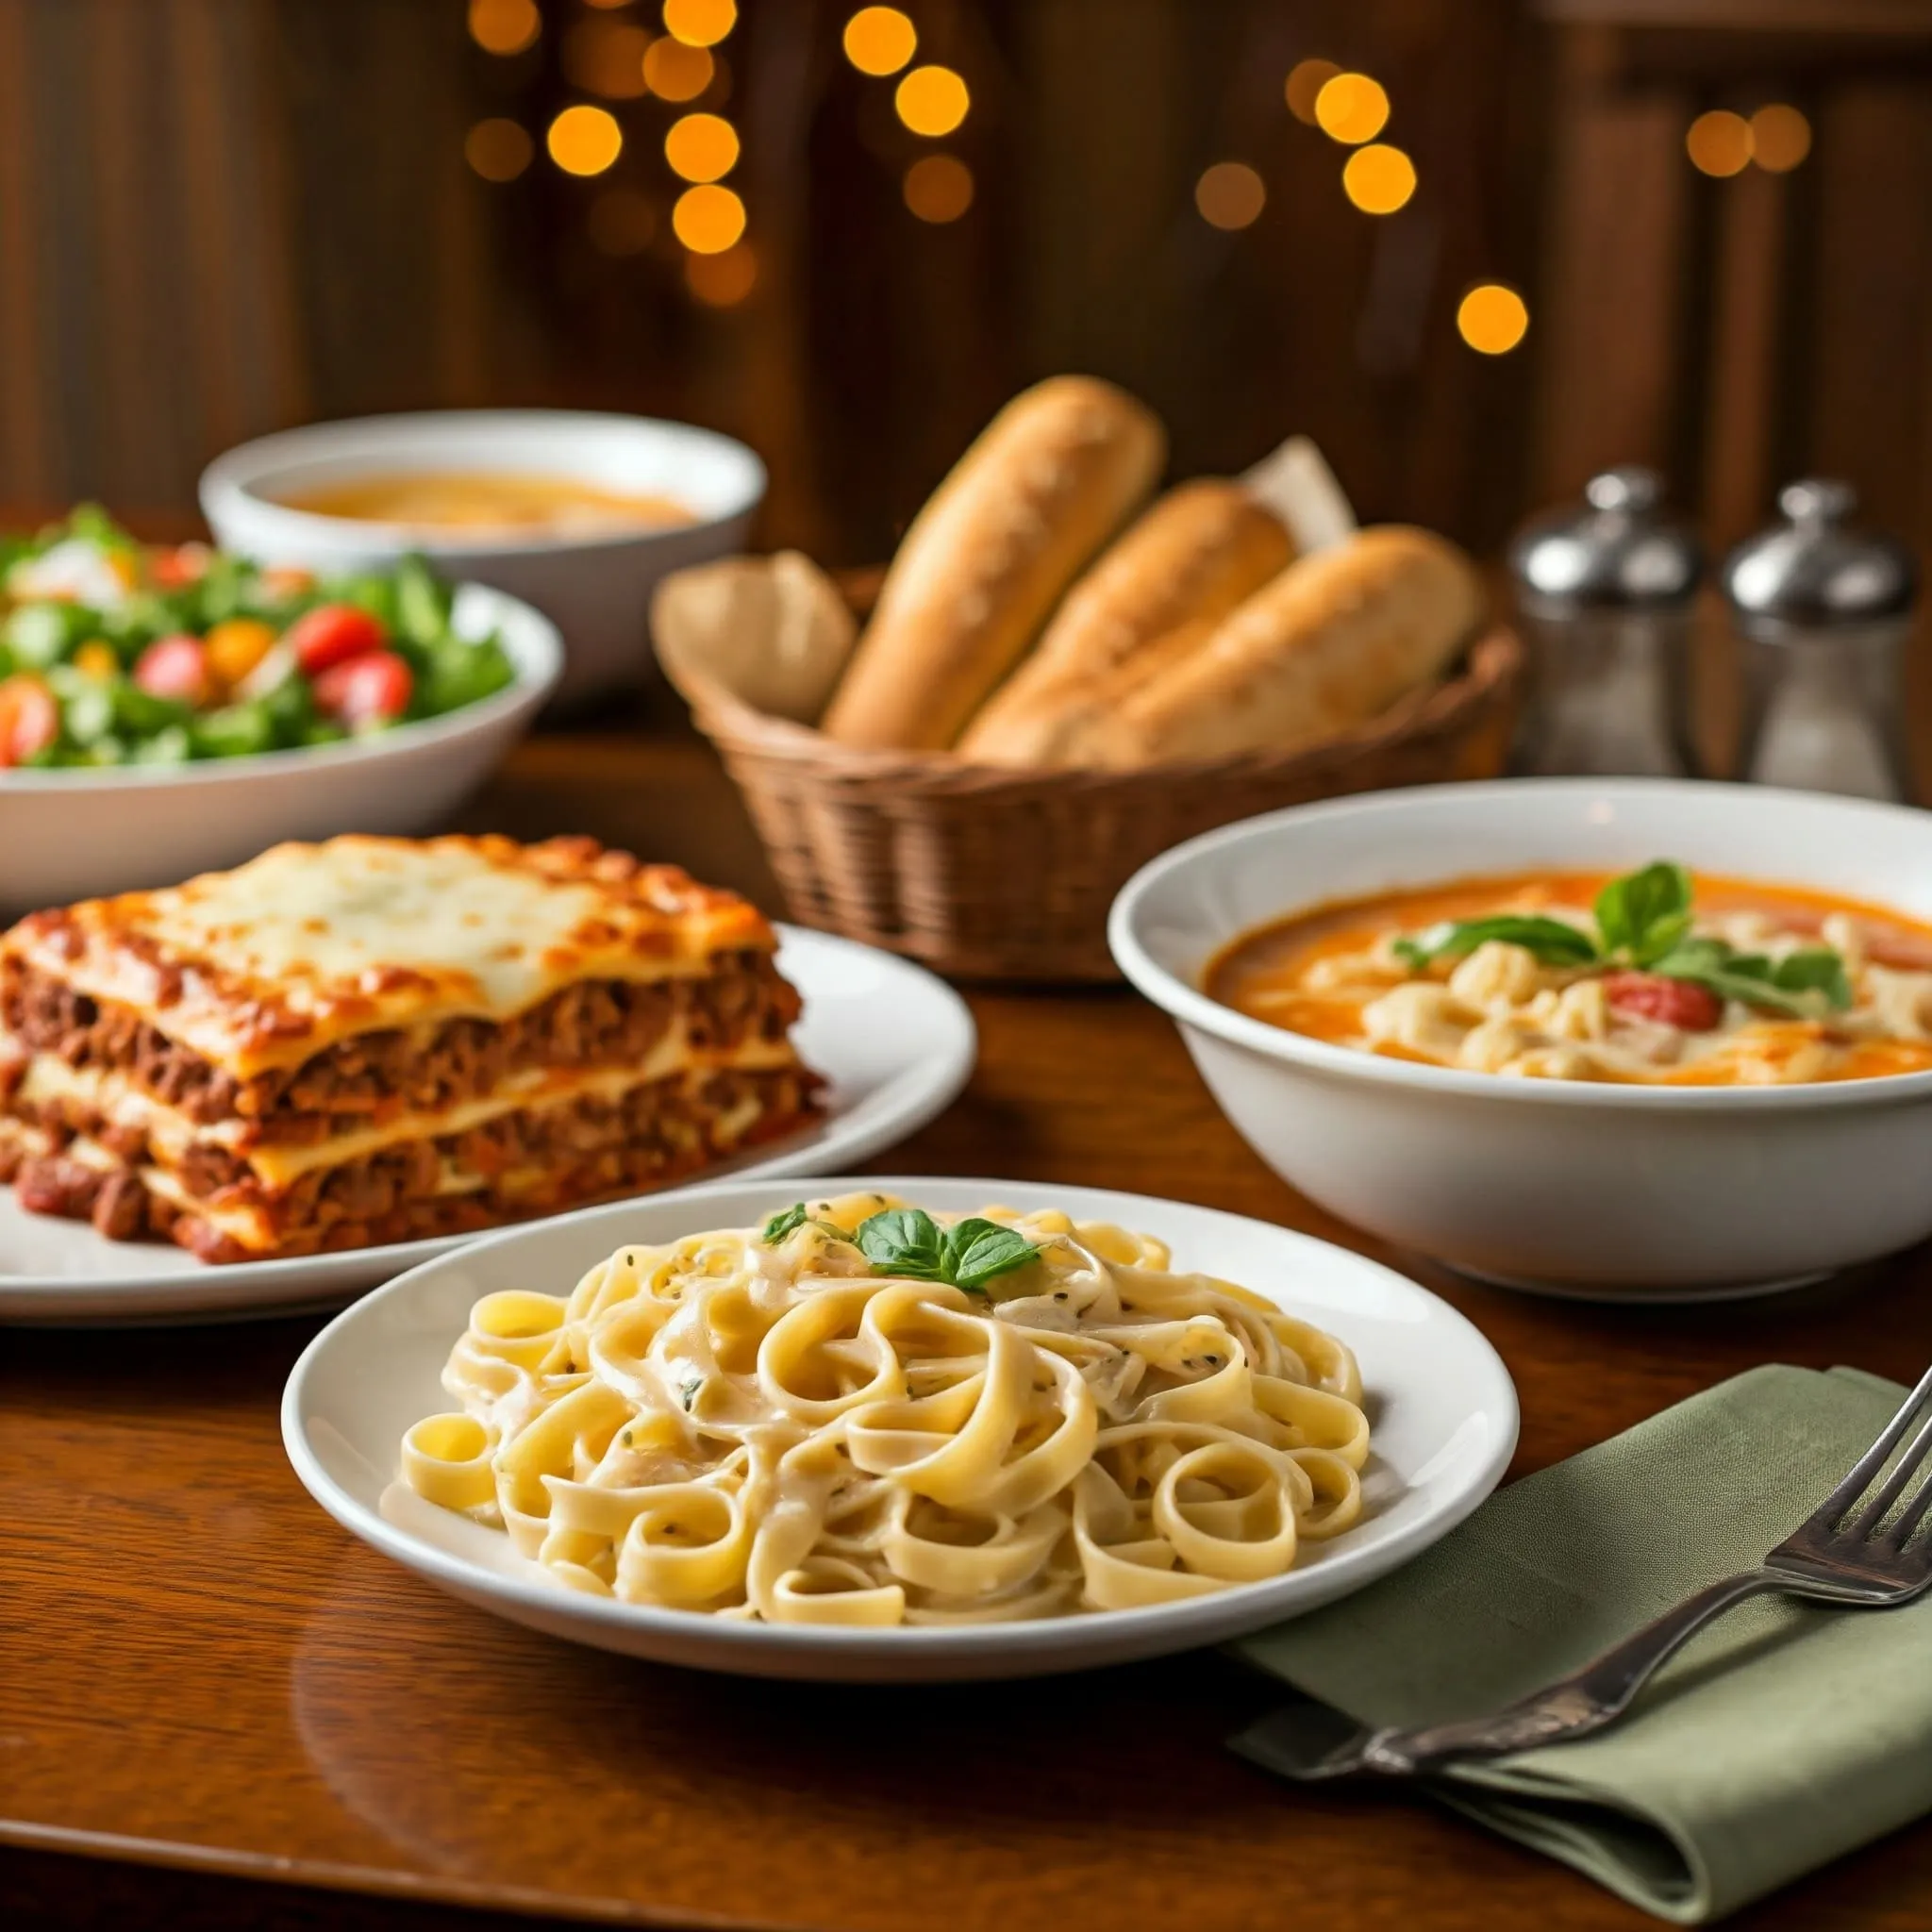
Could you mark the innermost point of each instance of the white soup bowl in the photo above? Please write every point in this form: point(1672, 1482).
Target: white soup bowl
point(1584, 1187)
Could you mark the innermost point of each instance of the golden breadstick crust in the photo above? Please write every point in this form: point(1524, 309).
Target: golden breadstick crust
point(1196, 554)
point(1047, 482)
point(1330, 642)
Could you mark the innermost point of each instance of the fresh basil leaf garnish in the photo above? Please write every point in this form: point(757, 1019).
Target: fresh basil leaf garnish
point(977, 1250)
point(1711, 964)
point(1815, 969)
point(903, 1241)
point(908, 1242)
point(1553, 940)
point(779, 1226)
point(1644, 914)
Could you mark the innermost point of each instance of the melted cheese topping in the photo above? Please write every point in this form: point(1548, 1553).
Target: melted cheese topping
point(263, 966)
point(1335, 975)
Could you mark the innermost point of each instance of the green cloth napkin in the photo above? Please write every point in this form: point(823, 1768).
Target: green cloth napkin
point(1782, 1736)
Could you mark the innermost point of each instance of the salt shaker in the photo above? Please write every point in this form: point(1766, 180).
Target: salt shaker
point(1603, 591)
point(1821, 612)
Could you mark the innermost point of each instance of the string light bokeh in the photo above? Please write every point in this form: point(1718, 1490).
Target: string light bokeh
point(1493, 318)
point(701, 147)
point(932, 100)
point(676, 60)
point(880, 40)
point(585, 140)
point(504, 26)
point(938, 187)
point(1230, 195)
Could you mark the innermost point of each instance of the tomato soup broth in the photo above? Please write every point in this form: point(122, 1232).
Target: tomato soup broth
point(1335, 974)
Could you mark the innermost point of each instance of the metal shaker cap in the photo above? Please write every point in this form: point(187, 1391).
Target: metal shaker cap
point(1617, 549)
point(1813, 573)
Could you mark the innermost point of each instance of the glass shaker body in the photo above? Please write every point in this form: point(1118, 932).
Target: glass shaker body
point(1822, 711)
point(1609, 694)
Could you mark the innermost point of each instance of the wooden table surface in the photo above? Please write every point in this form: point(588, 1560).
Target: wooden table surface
point(218, 1709)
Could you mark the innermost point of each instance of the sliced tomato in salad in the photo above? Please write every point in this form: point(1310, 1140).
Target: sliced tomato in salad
point(333, 633)
point(29, 719)
point(369, 690)
point(174, 666)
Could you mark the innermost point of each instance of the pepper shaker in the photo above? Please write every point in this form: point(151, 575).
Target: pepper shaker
point(1821, 612)
point(1604, 593)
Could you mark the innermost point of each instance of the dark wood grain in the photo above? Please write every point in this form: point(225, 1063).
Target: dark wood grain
point(202, 1674)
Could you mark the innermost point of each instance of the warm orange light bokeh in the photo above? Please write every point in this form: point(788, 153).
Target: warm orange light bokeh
point(1307, 79)
point(1780, 137)
point(585, 141)
point(880, 40)
point(1719, 143)
point(939, 187)
point(1352, 108)
point(674, 71)
point(620, 222)
point(707, 219)
point(701, 147)
point(1493, 318)
point(1378, 179)
point(1230, 195)
point(700, 22)
point(498, 150)
point(932, 100)
point(606, 56)
point(504, 26)
point(725, 280)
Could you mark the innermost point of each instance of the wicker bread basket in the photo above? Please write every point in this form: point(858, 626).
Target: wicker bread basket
point(987, 873)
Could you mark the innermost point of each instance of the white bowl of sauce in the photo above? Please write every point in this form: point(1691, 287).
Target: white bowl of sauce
point(578, 513)
point(1507, 1130)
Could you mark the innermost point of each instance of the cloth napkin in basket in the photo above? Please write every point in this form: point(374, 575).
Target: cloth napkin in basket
point(1780, 1737)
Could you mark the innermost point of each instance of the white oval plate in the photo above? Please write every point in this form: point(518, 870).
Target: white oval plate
point(896, 1043)
point(1440, 1406)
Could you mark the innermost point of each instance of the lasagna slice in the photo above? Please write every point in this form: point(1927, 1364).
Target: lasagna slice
point(374, 1040)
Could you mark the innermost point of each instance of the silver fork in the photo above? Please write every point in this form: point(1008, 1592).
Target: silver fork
point(1856, 1552)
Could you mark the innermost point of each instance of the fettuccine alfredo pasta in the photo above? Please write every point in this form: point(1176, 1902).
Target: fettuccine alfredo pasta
point(862, 1414)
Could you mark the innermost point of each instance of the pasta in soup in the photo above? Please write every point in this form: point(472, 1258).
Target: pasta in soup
point(865, 1414)
point(1638, 978)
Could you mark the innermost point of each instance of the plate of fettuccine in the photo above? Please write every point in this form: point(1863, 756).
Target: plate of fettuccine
point(896, 1430)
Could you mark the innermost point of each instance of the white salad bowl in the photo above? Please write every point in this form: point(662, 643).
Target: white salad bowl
point(70, 834)
point(597, 587)
point(1579, 1188)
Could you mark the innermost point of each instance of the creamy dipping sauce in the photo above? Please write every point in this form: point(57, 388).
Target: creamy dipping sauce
point(1336, 974)
point(486, 500)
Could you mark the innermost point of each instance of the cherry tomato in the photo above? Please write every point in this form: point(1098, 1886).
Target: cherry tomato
point(332, 634)
point(174, 570)
point(1674, 1002)
point(175, 667)
point(29, 719)
point(368, 689)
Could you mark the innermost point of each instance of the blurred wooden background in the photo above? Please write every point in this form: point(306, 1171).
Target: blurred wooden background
point(219, 217)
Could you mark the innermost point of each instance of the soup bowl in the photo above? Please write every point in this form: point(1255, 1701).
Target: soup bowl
point(594, 585)
point(1575, 1187)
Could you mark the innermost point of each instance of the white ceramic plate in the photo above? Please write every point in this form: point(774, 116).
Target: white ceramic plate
point(896, 1043)
point(1439, 1402)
